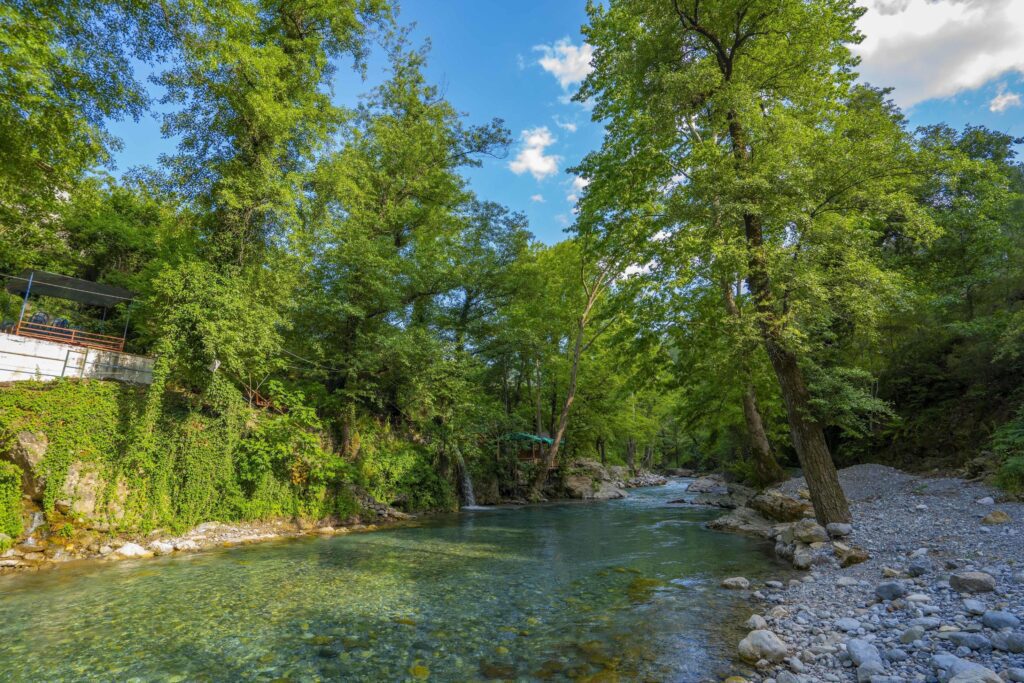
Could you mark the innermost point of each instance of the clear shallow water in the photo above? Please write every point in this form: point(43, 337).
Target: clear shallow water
point(623, 590)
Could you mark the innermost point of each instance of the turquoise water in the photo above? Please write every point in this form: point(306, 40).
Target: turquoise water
point(621, 590)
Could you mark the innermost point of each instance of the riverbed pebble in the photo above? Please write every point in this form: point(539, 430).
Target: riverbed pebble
point(936, 602)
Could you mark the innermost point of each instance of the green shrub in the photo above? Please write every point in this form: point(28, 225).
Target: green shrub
point(10, 499)
point(1008, 445)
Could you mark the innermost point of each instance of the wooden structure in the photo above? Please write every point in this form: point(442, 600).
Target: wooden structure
point(530, 448)
point(39, 326)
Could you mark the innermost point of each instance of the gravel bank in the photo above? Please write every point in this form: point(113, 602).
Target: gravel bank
point(940, 599)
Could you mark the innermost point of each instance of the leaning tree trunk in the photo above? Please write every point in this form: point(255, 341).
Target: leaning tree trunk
point(808, 435)
point(766, 467)
point(593, 291)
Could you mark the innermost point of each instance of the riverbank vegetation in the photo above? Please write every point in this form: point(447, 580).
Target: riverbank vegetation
point(768, 267)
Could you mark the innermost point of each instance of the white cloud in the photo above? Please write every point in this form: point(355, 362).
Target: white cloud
point(937, 48)
point(539, 198)
point(1004, 100)
point(575, 188)
point(565, 125)
point(568, 63)
point(531, 156)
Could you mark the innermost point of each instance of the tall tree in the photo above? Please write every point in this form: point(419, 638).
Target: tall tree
point(747, 110)
point(65, 72)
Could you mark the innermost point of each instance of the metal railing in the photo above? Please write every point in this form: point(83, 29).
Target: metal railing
point(67, 335)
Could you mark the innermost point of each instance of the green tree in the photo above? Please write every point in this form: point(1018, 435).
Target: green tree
point(741, 121)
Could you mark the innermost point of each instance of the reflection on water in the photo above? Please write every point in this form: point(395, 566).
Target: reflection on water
point(624, 590)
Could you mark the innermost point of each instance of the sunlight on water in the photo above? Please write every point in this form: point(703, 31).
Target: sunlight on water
point(605, 591)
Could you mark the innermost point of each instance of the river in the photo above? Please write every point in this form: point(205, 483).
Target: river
point(618, 590)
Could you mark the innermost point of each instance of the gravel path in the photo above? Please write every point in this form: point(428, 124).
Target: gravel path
point(896, 616)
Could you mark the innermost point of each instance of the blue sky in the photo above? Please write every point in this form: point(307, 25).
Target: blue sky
point(958, 61)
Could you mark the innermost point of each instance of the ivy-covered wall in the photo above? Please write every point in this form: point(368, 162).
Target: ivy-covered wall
point(10, 500)
point(160, 457)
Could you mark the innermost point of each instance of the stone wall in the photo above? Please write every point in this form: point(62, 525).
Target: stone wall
point(22, 358)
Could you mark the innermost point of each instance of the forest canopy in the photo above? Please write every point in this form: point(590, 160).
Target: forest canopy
point(768, 268)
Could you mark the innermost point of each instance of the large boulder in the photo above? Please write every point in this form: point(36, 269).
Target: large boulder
point(762, 644)
point(708, 484)
point(27, 452)
point(744, 521)
point(776, 505)
point(804, 531)
point(86, 495)
point(972, 582)
point(588, 480)
point(83, 487)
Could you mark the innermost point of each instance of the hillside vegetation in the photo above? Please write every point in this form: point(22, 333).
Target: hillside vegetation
point(765, 271)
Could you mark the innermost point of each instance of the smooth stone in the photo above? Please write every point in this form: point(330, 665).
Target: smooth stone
point(919, 567)
point(975, 641)
point(999, 620)
point(927, 623)
point(996, 517)
point(1015, 675)
point(979, 675)
point(1009, 642)
point(911, 634)
point(762, 644)
point(861, 651)
point(161, 547)
point(756, 622)
point(987, 500)
point(867, 671)
point(847, 624)
point(736, 583)
point(975, 607)
point(890, 590)
point(839, 529)
point(972, 582)
point(132, 550)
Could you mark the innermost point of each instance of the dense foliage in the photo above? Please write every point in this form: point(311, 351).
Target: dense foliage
point(768, 266)
point(10, 502)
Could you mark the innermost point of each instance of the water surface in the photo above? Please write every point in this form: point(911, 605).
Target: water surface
point(621, 590)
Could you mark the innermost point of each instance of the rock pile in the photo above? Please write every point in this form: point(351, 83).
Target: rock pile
point(939, 600)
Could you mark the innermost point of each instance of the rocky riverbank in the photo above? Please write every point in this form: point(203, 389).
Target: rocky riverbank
point(590, 480)
point(42, 548)
point(927, 585)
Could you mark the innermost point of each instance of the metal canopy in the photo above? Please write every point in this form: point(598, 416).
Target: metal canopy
point(71, 288)
point(534, 438)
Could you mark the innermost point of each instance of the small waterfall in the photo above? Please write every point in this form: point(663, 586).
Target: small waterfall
point(38, 519)
point(468, 497)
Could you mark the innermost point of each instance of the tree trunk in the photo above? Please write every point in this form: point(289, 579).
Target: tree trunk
point(593, 290)
point(808, 436)
point(766, 468)
point(600, 450)
point(539, 415)
point(630, 454)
